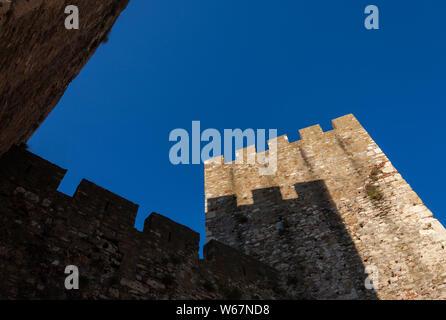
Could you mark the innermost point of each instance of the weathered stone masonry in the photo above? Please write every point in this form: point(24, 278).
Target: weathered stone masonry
point(335, 206)
point(42, 231)
point(39, 57)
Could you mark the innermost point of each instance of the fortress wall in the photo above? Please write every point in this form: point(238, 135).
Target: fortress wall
point(42, 231)
point(335, 206)
point(40, 57)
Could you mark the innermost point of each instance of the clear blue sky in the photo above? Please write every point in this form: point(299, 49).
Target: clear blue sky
point(249, 64)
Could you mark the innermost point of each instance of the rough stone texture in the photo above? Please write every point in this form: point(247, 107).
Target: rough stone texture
point(39, 57)
point(42, 231)
point(335, 206)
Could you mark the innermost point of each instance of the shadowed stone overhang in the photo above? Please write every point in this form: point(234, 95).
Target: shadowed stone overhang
point(39, 57)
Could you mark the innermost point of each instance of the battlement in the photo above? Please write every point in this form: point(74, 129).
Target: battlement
point(105, 204)
point(42, 230)
point(333, 206)
point(94, 231)
point(340, 125)
point(316, 156)
point(25, 169)
point(172, 234)
point(34, 174)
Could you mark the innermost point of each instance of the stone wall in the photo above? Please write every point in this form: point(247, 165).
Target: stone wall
point(334, 207)
point(42, 231)
point(39, 57)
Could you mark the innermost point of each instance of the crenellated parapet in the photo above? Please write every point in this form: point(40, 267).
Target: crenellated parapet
point(171, 234)
point(333, 209)
point(317, 155)
point(42, 231)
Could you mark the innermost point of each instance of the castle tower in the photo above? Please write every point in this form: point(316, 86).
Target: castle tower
point(334, 215)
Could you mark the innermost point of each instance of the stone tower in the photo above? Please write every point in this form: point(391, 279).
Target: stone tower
point(333, 216)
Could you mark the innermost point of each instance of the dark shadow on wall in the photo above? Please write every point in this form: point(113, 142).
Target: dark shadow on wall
point(42, 231)
point(303, 238)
